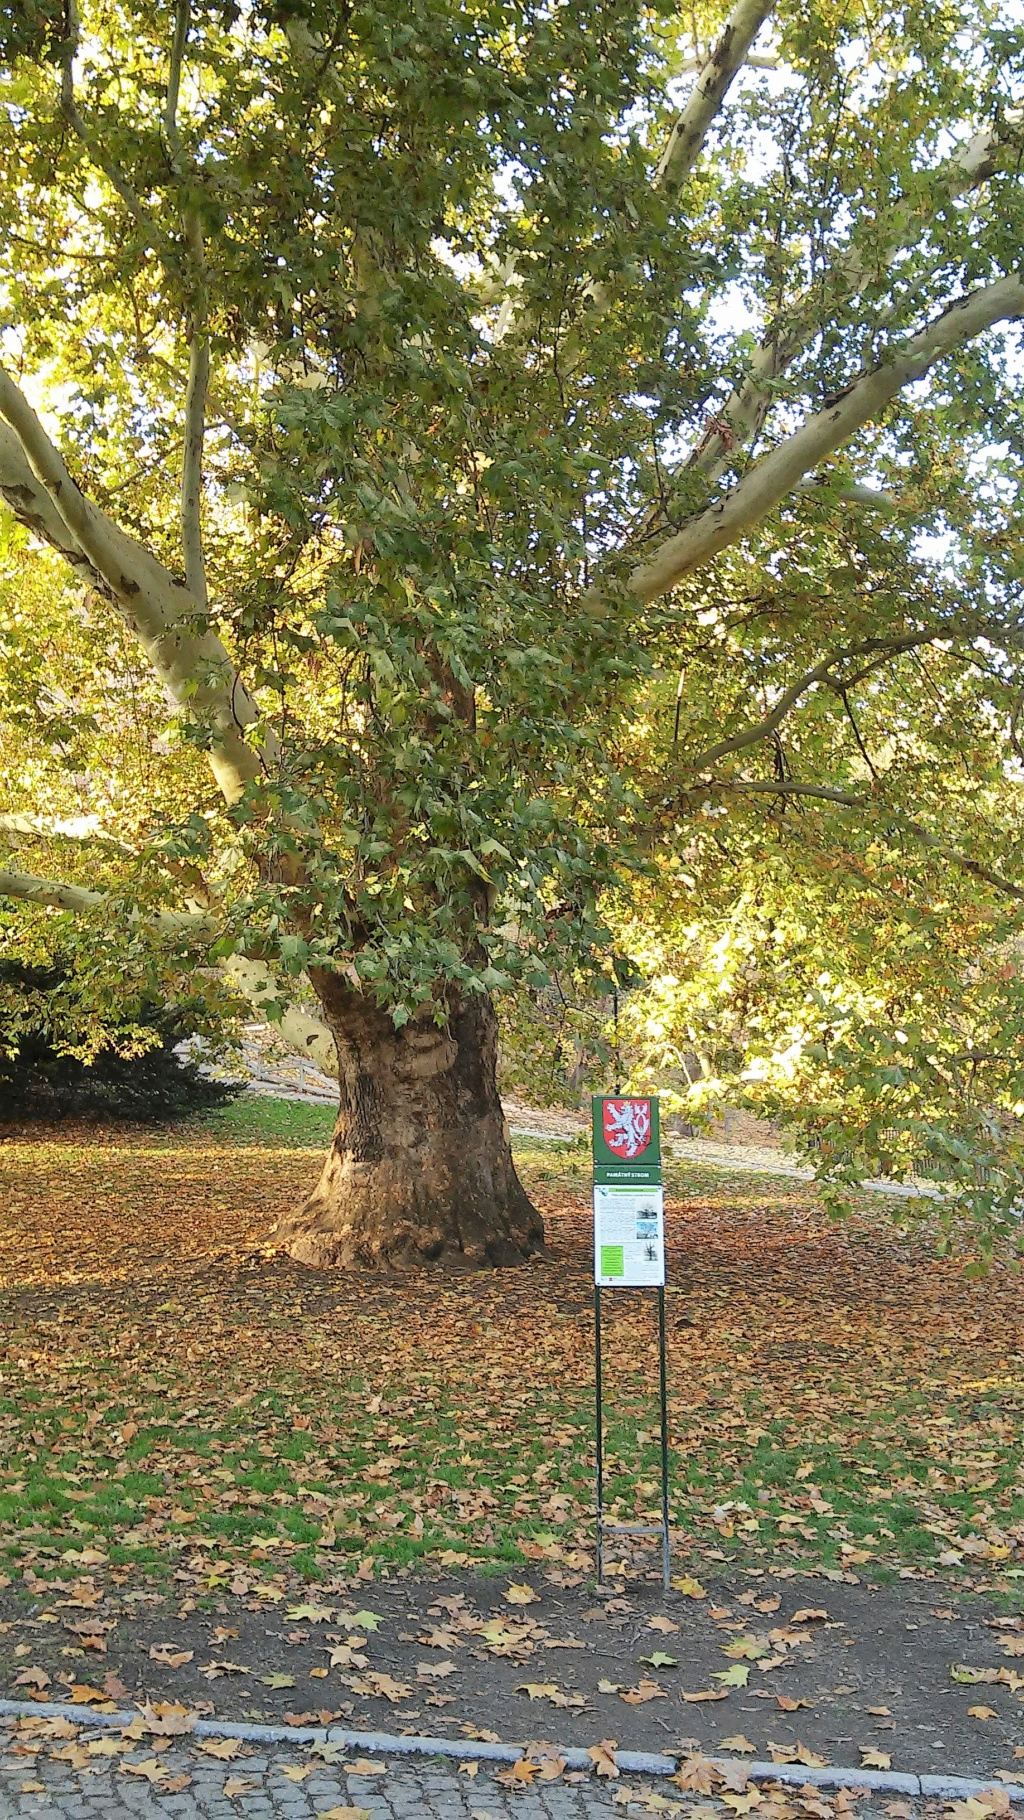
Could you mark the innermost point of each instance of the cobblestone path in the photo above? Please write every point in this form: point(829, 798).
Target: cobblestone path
point(42, 1788)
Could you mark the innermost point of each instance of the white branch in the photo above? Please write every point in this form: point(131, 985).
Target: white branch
point(776, 475)
point(193, 665)
point(709, 91)
point(744, 411)
point(252, 978)
point(75, 828)
point(301, 1029)
point(78, 899)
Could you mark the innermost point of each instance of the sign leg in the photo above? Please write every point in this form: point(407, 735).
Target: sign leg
point(599, 1435)
point(666, 1565)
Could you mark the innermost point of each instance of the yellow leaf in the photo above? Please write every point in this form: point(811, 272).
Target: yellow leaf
point(705, 1695)
point(982, 1712)
point(689, 1587)
point(795, 1753)
point(738, 1743)
point(520, 1594)
point(238, 1785)
point(517, 1775)
point(874, 1759)
point(151, 1770)
point(602, 1756)
point(222, 1748)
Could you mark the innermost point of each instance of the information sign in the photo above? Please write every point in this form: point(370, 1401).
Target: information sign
point(629, 1253)
point(629, 1236)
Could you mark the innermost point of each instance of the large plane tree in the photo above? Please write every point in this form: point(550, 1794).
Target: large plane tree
point(460, 453)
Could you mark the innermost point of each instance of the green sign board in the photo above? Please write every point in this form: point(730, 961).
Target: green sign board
point(629, 1216)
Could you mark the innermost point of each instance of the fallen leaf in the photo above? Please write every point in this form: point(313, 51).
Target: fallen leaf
point(222, 1748)
point(795, 1753)
point(168, 1656)
point(517, 1775)
point(520, 1594)
point(238, 1785)
point(602, 1756)
point(548, 1690)
point(874, 1759)
point(738, 1743)
point(165, 1719)
point(983, 1712)
point(83, 1695)
point(151, 1770)
point(809, 1614)
point(644, 1691)
point(705, 1695)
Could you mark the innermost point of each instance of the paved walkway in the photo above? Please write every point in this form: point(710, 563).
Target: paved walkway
point(47, 1789)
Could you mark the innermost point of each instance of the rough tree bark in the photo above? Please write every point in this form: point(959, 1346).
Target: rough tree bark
point(420, 1169)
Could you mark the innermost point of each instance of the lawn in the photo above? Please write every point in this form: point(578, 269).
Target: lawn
point(177, 1401)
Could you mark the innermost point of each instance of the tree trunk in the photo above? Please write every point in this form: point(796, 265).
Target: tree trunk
point(420, 1169)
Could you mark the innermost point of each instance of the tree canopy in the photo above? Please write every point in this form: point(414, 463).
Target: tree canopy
point(507, 490)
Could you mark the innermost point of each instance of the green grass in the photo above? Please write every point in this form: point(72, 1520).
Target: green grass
point(257, 1119)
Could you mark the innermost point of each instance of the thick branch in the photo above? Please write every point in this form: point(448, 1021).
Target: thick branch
point(744, 411)
point(845, 799)
point(192, 665)
point(776, 475)
point(74, 828)
point(252, 978)
point(80, 900)
point(709, 91)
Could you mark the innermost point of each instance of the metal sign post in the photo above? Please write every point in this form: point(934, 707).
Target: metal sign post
point(629, 1253)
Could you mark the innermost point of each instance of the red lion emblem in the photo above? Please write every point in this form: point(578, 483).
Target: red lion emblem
point(627, 1127)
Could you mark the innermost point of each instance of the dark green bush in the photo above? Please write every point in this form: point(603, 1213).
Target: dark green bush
point(40, 1080)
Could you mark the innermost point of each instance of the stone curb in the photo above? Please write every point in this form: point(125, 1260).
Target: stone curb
point(635, 1763)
